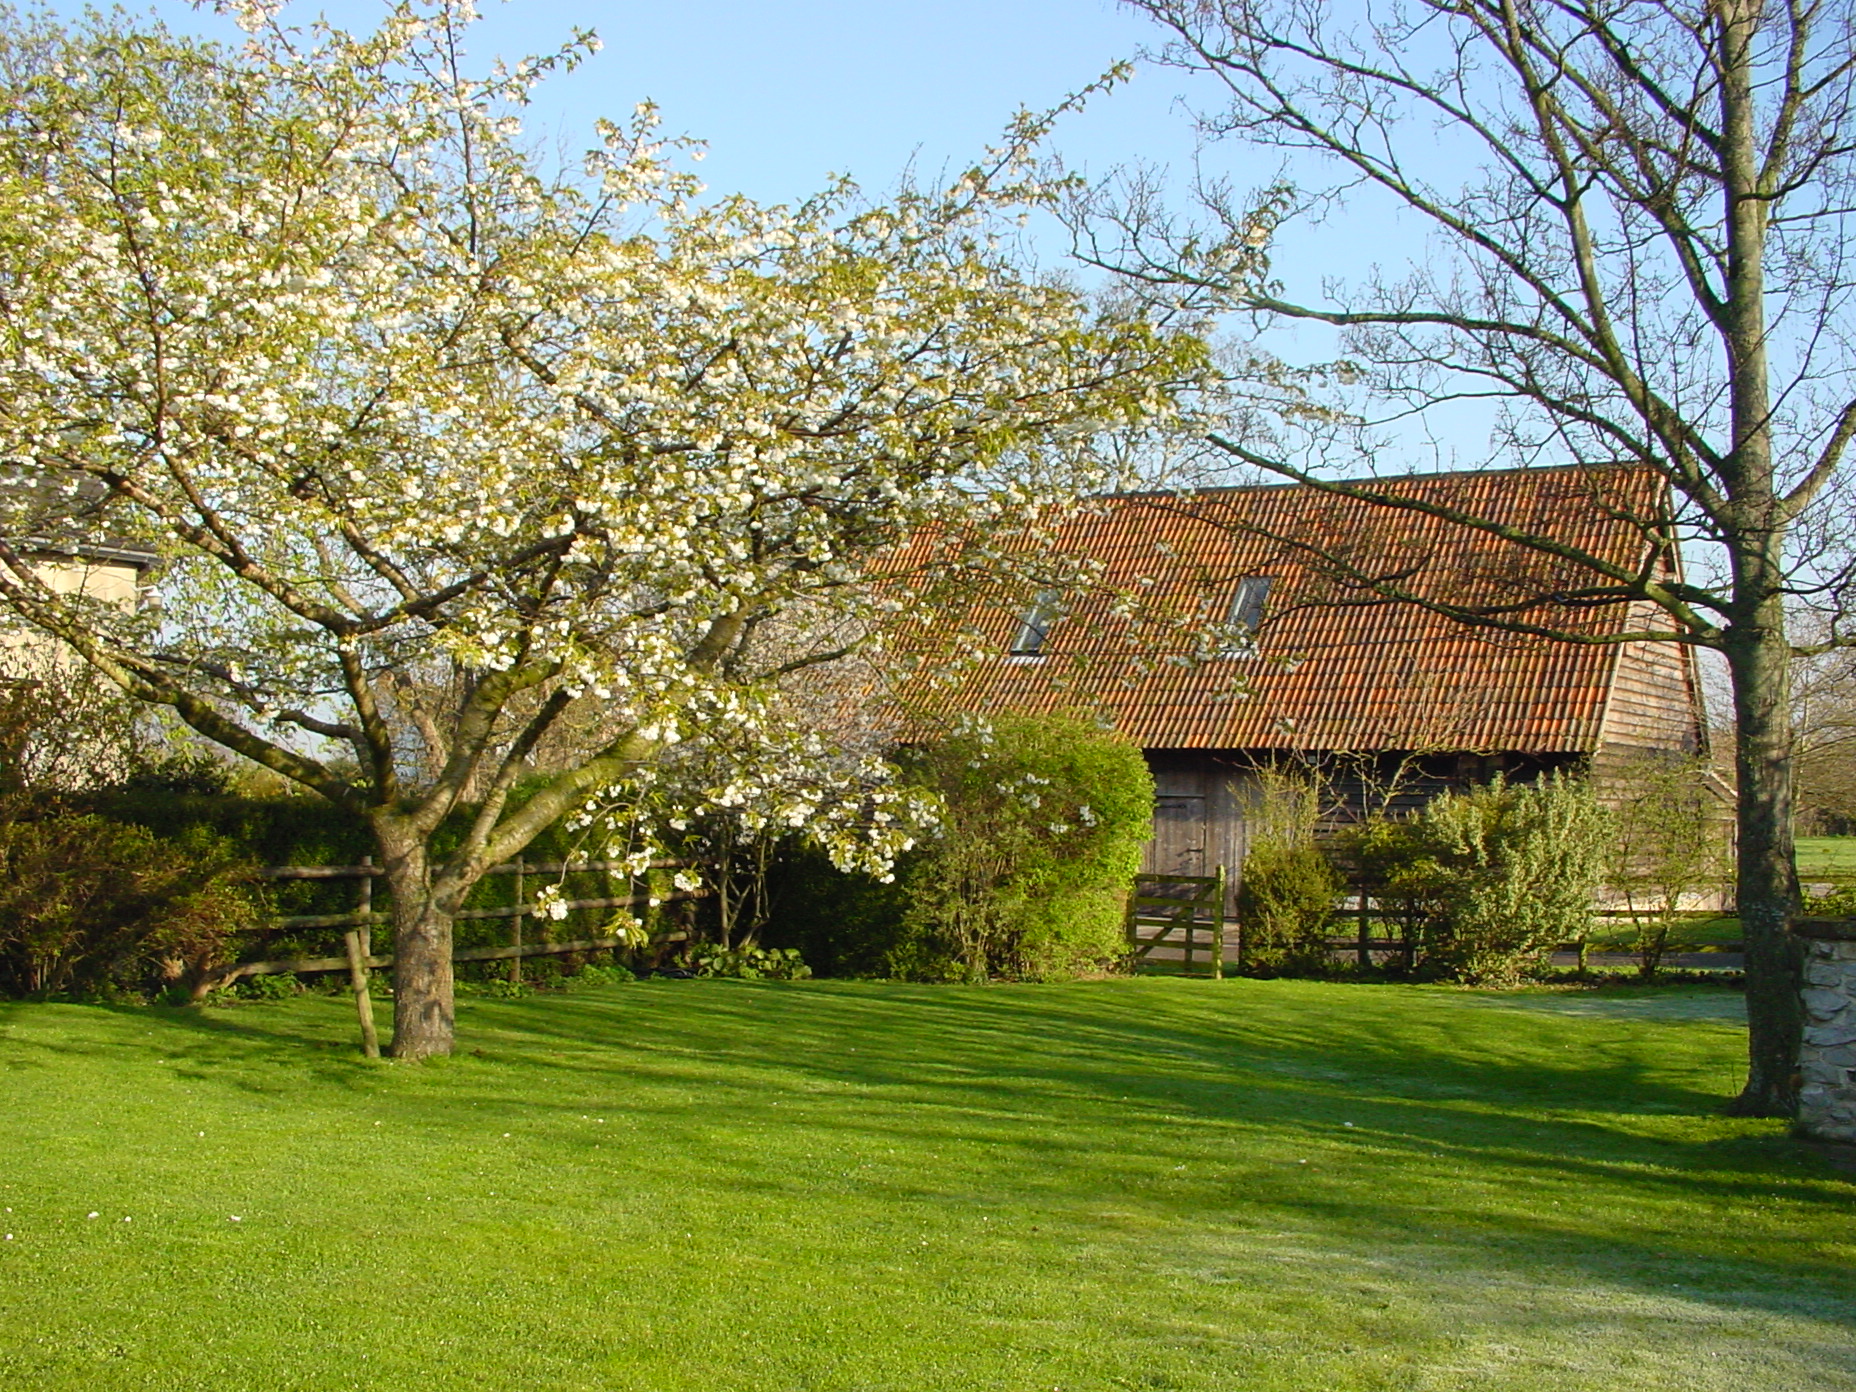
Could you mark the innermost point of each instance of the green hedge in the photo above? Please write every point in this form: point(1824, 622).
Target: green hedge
point(309, 831)
point(1489, 880)
point(842, 924)
point(1045, 821)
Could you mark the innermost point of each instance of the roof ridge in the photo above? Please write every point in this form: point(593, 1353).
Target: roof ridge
point(1513, 469)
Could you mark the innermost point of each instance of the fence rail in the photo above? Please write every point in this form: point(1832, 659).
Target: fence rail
point(1371, 919)
point(464, 954)
point(1163, 922)
point(359, 961)
point(1179, 909)
point(365, 916)
point(367, 870)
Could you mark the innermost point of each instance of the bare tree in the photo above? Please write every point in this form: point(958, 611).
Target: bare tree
point(1666, 851)
point(1824, 731)
point(1639, 219)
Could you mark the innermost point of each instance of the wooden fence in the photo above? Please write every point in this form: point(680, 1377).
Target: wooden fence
point(365, 915)
point(360, 961)
point(1175, 921)
point(1367, 947)
point(1178, 914)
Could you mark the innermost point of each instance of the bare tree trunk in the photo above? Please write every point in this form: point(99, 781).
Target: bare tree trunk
point(1758, 659)
point(423, 1000)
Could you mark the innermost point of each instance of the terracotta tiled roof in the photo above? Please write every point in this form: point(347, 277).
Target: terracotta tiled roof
point(1335, 666)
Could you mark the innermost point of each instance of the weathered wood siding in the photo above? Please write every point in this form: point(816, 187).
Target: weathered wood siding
point(1654, 703)
point(1202, 798)
point(1199, 822)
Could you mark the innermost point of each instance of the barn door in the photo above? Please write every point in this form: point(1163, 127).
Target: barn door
point(1179, 835)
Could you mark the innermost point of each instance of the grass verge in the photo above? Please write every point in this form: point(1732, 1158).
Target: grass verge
point(1831, 858)
point(720, 1185)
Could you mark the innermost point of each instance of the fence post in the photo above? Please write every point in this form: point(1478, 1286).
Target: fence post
point(515, 962)
point(1218, 927)
point(360, 944)
point(1363, 951)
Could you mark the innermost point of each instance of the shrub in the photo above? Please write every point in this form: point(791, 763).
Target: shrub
point(94, 907)
point(596, 976)
point(273, 987)
point(190, 772)
point(1667, 845)
point(304, 830)
point(495, 987)
point(843, 923)
point(1287, 887)
point(1285, 901)
point(64, 728)
point(1838, 903)
point(1045, 820)
point(1497, 875)
point(1395, 871)
point(749, 963)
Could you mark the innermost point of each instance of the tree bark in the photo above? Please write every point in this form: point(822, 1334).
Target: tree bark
point(424, 1003)
point(1759, 661)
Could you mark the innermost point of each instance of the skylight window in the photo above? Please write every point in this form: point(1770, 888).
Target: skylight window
point(1246, 613)
point(1253, 592)
point(1034, 628)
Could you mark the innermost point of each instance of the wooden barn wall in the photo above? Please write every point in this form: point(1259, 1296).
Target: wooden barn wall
point(1202, 797)
point(1654, 705)
point(1199, 804)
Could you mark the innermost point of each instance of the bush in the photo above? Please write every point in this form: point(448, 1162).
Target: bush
point(596, 976)
point(1838, 903)
point(1044, 825)
point(1668, 846)
point(192, 772)
point(274, 987)
point(92, 907)
point(1494, 878)
point(1387, 856)
point(64, 727)
point(307, 830)
point(1285, 901)
point(749, 963)
point(843, 923)
point(495, 987)
point(1287, 887)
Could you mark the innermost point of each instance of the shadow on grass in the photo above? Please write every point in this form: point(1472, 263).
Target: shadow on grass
point(1426, 1121)
point(1497, 1122)
point(250, 1048)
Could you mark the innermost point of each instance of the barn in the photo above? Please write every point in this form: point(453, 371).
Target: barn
point(1232, 631)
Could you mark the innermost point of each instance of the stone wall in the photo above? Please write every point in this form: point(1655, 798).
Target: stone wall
point(1827, 1059)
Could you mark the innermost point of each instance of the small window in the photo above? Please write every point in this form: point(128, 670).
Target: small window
point(1034, 628)
point(1247, 604)
point(1246, 614)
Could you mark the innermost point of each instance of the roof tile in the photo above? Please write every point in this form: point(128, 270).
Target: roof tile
point(1336, 667)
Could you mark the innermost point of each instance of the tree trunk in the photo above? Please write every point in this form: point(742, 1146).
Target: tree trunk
point(1758, 660)
point(423, 999)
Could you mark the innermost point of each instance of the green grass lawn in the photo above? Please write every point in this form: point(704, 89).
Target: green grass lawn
point(1827, 858)
point(720, 1185)
point(1699, 932)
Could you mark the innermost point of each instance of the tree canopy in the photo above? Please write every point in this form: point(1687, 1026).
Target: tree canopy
point(450, 455)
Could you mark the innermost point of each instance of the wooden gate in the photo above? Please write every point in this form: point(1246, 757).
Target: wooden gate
point(1178, 914)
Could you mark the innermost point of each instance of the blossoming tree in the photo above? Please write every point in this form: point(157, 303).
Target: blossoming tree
point(448, 455)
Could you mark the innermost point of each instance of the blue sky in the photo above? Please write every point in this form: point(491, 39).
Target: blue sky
point(789, 92)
